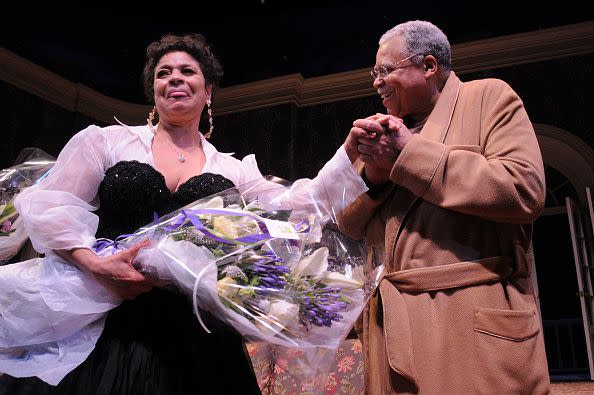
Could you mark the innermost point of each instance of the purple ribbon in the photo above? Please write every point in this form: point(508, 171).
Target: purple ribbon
point(302, 226)
point(101, 244)
point(192, 216)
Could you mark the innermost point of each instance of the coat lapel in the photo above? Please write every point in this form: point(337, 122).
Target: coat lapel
point(439, 120)
point(436, 129)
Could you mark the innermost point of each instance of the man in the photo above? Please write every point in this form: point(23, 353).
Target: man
point(456, 178)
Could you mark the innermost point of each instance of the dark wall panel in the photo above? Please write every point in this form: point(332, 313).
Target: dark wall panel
point(293, 142)
point(29, 121)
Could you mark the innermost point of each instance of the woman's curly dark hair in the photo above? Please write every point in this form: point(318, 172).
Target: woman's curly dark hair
point(194, 44)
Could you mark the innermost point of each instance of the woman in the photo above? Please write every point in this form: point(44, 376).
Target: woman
point(151, 343)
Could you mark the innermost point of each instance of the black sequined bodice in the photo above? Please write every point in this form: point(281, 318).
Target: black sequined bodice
point(154, 343)
point(132, 192)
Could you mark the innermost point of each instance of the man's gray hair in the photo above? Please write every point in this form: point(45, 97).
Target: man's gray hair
point(422, 37)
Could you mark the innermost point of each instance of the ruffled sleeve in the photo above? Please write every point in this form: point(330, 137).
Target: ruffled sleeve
point(336, 185)
point(241, 172)
point(57, 213)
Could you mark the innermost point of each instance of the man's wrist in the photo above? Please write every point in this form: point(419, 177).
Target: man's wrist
point(376, 187)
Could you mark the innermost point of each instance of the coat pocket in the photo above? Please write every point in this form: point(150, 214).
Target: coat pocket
point(509, 354)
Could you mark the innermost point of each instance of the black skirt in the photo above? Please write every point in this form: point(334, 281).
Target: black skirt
point(155, 345)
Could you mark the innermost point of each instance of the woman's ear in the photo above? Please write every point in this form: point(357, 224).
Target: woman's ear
point(209, 92)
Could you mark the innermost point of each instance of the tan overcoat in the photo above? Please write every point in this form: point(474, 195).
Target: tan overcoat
point(455, 312)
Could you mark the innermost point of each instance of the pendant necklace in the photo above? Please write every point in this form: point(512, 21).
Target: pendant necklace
point(180, 157)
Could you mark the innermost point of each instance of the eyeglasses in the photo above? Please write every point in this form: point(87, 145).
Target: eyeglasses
point(383, 71)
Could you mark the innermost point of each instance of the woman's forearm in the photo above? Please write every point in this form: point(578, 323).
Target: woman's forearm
point(82, 258)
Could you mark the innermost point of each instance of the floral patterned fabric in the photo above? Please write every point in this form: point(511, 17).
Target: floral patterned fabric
point(345, 377)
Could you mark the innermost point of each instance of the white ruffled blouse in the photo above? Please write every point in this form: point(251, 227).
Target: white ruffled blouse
point(58, 215)
point(51, 313)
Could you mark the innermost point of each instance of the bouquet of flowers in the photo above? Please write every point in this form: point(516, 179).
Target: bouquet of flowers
point(275, 269)
point(34, 166)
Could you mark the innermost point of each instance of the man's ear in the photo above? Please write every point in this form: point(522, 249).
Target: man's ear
point(430, 64)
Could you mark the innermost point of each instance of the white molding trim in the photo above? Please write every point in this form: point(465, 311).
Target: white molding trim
point(504, 51)
point(569, 155)
point(263, 93)
point(522, 48)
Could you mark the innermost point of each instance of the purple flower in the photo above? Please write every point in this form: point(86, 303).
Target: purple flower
point(267, 267)
point(319, 305)
point(271, 274)
point(5, 227)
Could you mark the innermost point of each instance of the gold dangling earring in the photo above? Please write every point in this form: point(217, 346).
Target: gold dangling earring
point(211, 127)
point(151, 118)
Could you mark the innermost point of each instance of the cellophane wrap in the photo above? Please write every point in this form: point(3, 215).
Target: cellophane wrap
point(35, 165)
point(278, 272)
